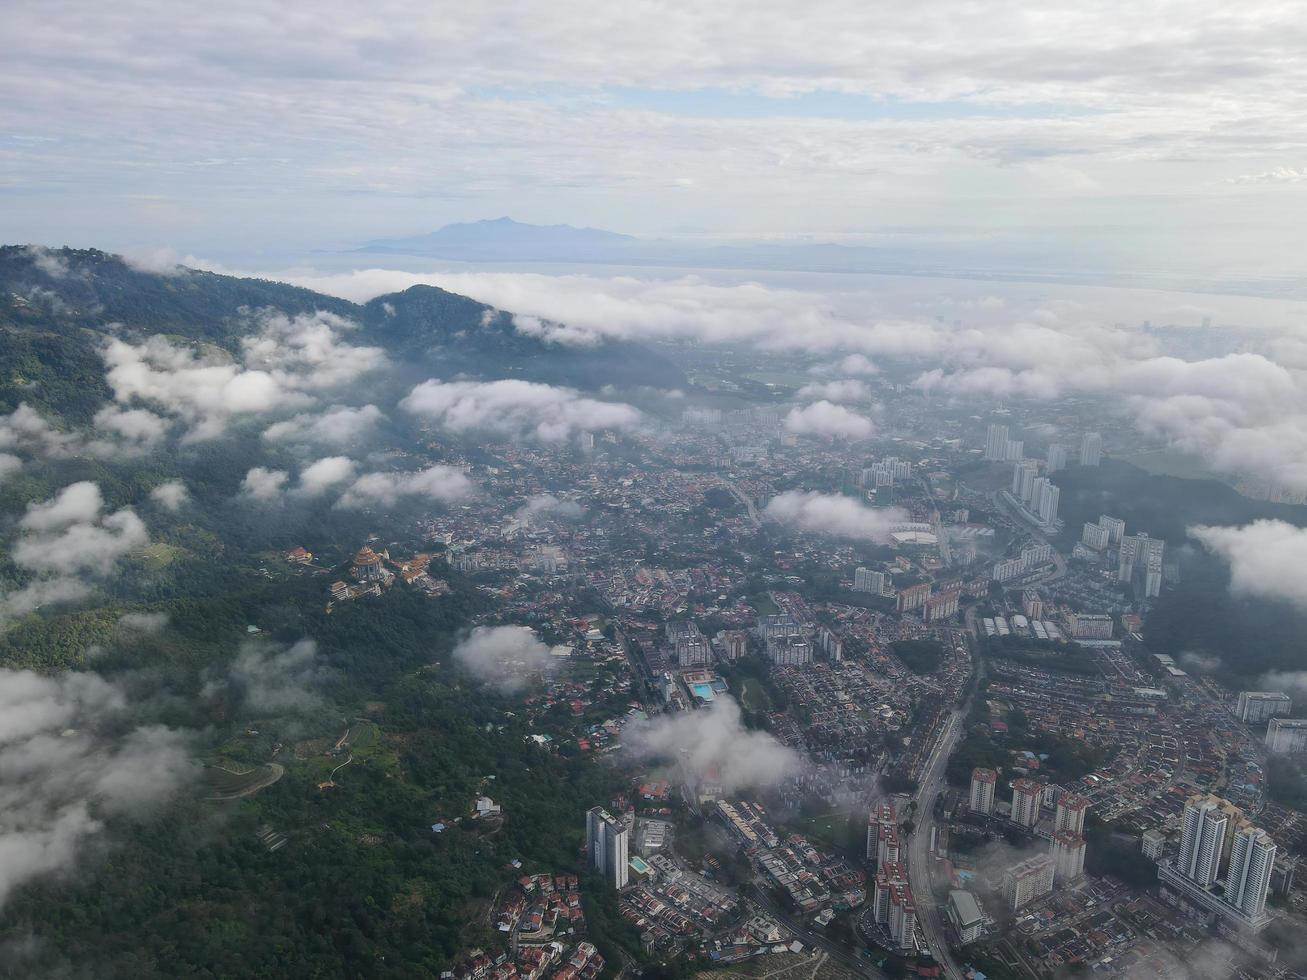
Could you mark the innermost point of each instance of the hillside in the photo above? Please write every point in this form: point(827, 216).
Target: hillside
point(56, 308)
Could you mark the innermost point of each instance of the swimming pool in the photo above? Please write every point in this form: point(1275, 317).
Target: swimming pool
point(702, 691)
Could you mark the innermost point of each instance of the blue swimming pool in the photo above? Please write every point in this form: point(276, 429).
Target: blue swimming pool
point(702, 691)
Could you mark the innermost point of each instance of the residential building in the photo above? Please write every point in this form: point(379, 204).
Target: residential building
point(964, 915)
point(1028, 880)
point(1007, 570)
point(1068, 853)
point(913, 597)
point(1207, 824)
point(607, 846)
point(881, 817)
point(1032, 604)
point(1115, 529)
point(982, 790)
point(1214, 831)
point(1094, 536)
point(1026, 795)
point(1141, 555)
point(1024, 474)
point(1287, 735)
point(1153, 844)
point(866, 580)
point(1056, 459)
point(1091, 449)
point(942, 606)
point(902, 917)
point(1255, 707)
point(1070, 813)
point(1044, 497)
point(1091, 626)
point(1252, 858)
point(1036, 555)
point(996, 440)
point(733, 644)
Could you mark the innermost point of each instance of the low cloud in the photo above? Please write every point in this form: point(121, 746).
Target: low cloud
point(847, 390)
point(547, 505)
point(321, 476)
point(171, 495)
point(437, 483)
point(713, 740)
point(834, 514)
point(51, 263)
point(516, 409)
point(506, 657)
point(154, 622)
point(69, 542)
point(115, 432)
point(269, 679)
point(69, 533)
point(825, 418)
point(69, 759)
point(1266, 558)
point(263, 484)
point(341, 425)
point(286, 364)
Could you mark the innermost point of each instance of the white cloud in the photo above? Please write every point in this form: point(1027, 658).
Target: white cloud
point(503, 656)
point(115, 432)
point(138, 622)
point(69, 758)
point(267, 678)
point(857, 364)
point(51, 263)
point(306, 351)
point(9, 465)
point(26, 431)
point(824, 418)
point(285, 364)
point(171, 495)
point(261, 483)
point(547, 505)
point(324, 474)
point(513, 408)
point(713, 740)
point(339, 426)
point(1266, 558)
point(127, 431)
point(847, 390)
point(833, 514)
point(437, 483)
point(69, 535)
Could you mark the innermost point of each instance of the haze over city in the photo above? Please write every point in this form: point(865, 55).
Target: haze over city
point(579, 492)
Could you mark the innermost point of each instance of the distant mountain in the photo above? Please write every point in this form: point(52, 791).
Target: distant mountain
point(57, 308)
point(504, 238)
point(1038, 261)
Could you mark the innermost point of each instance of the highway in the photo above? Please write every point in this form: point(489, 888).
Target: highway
point(743, 498)
point(920, 865)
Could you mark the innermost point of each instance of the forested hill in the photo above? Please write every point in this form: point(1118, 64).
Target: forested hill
point(57, 305)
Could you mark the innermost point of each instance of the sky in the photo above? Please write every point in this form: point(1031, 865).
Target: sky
point(1155, 136)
